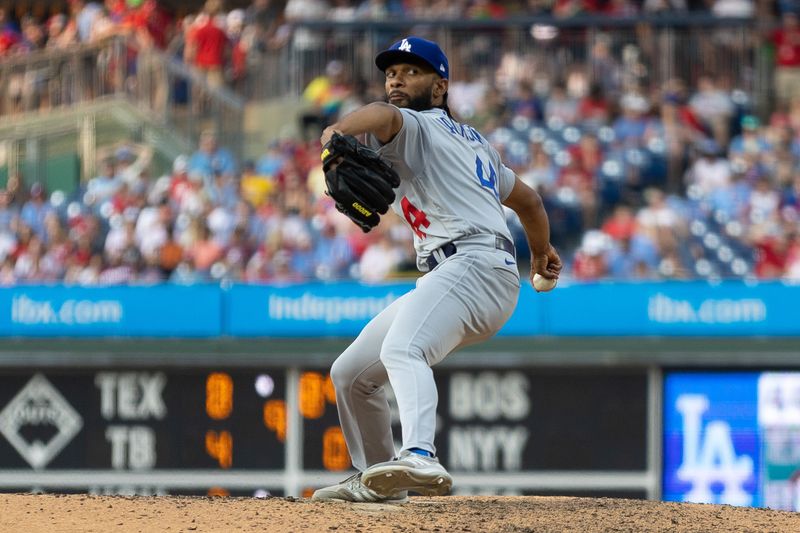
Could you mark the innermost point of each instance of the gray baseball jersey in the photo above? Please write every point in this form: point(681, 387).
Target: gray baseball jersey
point(452, 184)
point(452, 180)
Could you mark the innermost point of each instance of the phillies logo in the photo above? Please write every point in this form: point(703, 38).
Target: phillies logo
point(39, 422)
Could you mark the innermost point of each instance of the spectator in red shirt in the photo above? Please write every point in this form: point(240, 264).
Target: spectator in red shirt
point(787, 58)
point(149, 26)
point(588, 153)
point(151, 20)
point(771, 256)
point(621, 224)
point(208, 45)
point(575, 177)
point(594, 107)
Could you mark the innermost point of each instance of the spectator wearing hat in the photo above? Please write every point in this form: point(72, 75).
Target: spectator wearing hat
point(194, 199)
point(130, 165)
point(151, 228)
point(749, 141)
point(179, 182)
point(590, 261)
point(631, 126)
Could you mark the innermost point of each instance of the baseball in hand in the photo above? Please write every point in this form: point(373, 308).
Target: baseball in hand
point(542, 284)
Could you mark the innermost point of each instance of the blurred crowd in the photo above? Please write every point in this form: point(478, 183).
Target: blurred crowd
point(209, 219)
point(219, 40)
point(733, 211)
point(674, 180)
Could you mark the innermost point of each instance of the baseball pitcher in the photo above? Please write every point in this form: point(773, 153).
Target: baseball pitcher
point(445, 180)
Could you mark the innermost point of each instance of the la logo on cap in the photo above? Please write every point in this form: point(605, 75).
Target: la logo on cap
point(405, 46)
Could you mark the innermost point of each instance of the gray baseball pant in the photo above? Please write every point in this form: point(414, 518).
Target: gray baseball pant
point(466, 299)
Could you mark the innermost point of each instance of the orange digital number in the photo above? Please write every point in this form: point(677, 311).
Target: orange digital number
point(312, 395)
point(330, 391)
point(275, 417)
point(219, 445)
point(334, 450)
point(219, 395)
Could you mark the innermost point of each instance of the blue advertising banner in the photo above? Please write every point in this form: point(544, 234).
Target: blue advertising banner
point(712, 449)
point(125, 311)
point(673, 308)
point(307, 310)
point(342, 309)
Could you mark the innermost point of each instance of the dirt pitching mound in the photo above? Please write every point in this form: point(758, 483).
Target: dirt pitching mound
point(29, 513)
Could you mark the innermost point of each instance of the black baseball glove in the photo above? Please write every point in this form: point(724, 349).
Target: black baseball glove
point(361, 183)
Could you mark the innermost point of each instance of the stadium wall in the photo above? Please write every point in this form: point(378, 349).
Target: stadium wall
point(202, 389)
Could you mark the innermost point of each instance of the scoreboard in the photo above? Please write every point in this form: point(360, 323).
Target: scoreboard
point(274, 430)
point(138, 421)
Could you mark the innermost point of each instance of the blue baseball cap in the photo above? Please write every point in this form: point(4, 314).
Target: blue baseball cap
point(412, 50)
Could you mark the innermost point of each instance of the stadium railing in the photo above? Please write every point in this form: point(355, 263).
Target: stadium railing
point(169, 93)
point(653, 49)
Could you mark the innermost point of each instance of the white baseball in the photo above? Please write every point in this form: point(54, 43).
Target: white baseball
point(542, 284)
